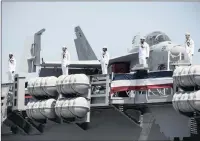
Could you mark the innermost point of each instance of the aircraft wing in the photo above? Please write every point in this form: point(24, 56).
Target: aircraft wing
point(125, 58)
point(75, 64)
point(93, 63)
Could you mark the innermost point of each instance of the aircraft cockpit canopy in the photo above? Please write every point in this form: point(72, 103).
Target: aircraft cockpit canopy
point(156, 37)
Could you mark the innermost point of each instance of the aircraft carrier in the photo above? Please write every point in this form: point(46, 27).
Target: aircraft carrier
point(149, 103)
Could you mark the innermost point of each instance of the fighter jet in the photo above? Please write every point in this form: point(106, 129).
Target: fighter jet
point(86, 56)
point(162, 52)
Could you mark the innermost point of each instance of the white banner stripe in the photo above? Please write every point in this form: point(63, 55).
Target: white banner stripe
point(141, 82)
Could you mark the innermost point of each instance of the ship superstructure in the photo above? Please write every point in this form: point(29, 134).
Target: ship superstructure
point(141, 94)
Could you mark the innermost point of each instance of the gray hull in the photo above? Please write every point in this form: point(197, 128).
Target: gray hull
point(105, 125)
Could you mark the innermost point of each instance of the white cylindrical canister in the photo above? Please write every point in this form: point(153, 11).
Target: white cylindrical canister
point(35, 112)
point(73, 84)
point(72, 108)
point(43, 86)
point(197, 100)
point(47, 108)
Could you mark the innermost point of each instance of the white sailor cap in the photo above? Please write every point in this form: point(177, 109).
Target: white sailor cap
point(104, 47)
point(142, 38)
point(10, 53)
point(187, 34)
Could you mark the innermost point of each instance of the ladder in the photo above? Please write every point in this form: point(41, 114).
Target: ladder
point(100, 90)
point(13, 108)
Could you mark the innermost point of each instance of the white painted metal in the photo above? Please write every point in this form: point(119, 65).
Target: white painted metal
point(59, 83)
point(187, 101)
point(18, 93)
point(72, 108)
point(31, 85)
point(47, 108)
point(73, 84)
point(35, 111)
point(29, 108)
point(175, 100)
point(43, 86)
point(58, 107)
point(49, 85)
point(185, 107)
point(187, 76)
point(176, 75)
point(41, 109)
point(196, 75)
point(184, 81)
point(191, 100)
point(196, 100)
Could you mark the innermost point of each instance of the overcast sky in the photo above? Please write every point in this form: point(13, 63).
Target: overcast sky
point(107, 23)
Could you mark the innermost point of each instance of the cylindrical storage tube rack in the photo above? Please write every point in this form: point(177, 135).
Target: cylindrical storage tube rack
point(187, 76)
point(187, 101)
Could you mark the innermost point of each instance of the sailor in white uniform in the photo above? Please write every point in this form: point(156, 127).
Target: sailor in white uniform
point(189, 46)
point(65, 60)
point(143, 51)
point(104, 61)
point(11, 68)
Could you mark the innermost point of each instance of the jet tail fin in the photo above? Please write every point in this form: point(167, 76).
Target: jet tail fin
point(83, 48)
point(34, 60)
